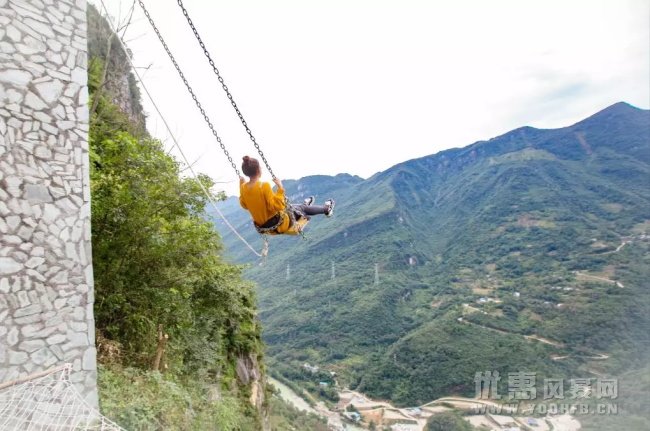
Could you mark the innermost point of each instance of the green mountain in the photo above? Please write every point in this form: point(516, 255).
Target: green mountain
point(526, 252)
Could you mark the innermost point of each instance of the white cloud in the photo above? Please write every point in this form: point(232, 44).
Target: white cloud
point(357, 86)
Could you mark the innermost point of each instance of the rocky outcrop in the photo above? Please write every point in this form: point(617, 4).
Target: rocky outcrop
point(120, 83)
point(250, 374)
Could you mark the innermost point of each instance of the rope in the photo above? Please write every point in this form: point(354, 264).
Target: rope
point(189, 88)
point(205, 191)
point(224, 86)
point(49, 401)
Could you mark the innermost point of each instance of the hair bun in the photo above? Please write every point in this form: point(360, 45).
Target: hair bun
point(250, 166)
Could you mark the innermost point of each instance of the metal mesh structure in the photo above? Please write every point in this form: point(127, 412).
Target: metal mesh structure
point(48, 401)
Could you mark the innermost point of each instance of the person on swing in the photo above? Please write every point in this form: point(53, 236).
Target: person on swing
point(264, 204)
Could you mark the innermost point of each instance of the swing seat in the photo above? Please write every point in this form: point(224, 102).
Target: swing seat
point(296, 224)
point(295, 229)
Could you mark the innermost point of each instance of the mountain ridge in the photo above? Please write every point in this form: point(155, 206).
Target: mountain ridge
point(610, 112)
point(428, 241)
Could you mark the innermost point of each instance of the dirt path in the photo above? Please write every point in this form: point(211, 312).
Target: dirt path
point(592, 356)
point(369, 407)
point(563, 423)
point(527, 337)
point(594, 277)
point(595, 356)
point(545, 341)
point(473, 309)
point(463, 402)
point(287, 394)
point(334, 421)
point(619, 248)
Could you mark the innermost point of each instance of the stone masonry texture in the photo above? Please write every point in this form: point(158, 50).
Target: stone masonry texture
point(46, 277)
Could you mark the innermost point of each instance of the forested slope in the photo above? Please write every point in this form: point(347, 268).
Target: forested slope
point(462, 261)
point(177, 331)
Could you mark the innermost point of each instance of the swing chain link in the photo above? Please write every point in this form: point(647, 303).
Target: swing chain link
point(189, 88)
point(225, 87)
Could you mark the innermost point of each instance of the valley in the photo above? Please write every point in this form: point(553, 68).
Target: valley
point(524, 252)
point(384, 415)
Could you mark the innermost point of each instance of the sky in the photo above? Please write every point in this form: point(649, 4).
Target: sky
point(357, 86)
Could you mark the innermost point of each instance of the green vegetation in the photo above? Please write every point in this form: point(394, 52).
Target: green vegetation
point(631, 403)
point(509, 227)
point(147, 400)
point(319, 382)
point(177, 333)
point(527, 252)
point(117, 79)
point(287, 418)
point(448, 421)
point(447, 355)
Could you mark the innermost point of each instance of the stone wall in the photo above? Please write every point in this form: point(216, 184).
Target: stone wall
point(46, 280)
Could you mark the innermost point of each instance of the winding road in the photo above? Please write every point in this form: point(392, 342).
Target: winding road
point(592, 356)
point(594, 277)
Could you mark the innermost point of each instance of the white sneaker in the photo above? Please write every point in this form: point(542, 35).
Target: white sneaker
point(329, 212)
point(309, 200)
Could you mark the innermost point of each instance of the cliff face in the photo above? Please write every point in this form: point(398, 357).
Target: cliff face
point(120, 82)
point(250, 374)
point(227, 346)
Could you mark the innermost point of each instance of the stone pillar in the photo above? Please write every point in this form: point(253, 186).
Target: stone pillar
point(46, 277)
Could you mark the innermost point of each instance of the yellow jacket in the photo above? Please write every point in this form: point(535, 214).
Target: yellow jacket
point(260, 200)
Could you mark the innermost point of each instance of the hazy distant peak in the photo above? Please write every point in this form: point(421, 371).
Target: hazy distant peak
point(615, 111)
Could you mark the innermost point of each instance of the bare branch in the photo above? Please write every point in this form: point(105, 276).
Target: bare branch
point(143, 67)
point(124, 27)
point(141, 35)
point(192, 164)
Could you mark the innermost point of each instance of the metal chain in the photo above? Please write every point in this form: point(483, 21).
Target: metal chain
point(189, 88)
point(225, 87)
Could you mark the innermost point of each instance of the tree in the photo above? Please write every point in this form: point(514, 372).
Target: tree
point(156, 257)
point(165, 298)
point(448, 421)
